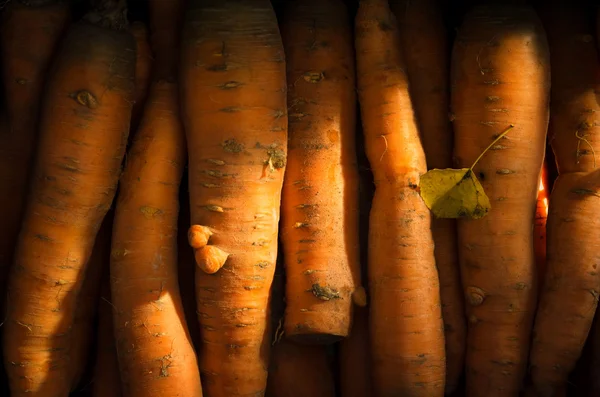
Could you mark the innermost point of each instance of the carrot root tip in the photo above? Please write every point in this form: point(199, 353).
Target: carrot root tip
point(210, 258)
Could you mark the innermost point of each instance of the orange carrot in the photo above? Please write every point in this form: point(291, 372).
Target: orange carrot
point(426, 49)
point(107, 379)
point(539, 226)
point(156, 355)
point(406, 327)
point(87, 304)
point(572, 282)
point(83, 130)
point(319, 227)
point(500, 77)
point(354, 358)
point(29, 35)
point(234, 111)
point(143, 67)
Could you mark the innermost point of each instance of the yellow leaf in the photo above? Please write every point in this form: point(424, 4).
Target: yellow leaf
point(456, 193)
point(452, 193)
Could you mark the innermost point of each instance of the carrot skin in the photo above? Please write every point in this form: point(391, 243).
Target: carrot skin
point(539, 227)
point(144, 282)
point(87, 304)
point(84, 126)
point(233, 96)
point(569, 298)
point(29, 37)
point(500, 77)
point(406, 327)
point(319, 227)
point(427, 49)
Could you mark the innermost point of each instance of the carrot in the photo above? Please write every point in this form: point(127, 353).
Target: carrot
point(143, 68)
point(539, 226)
point(83, 130)
point(234, 111)
point(107, 379)
point(406, 327)
point(500, 77)
point(156, 355)
point(319, 226)
point(85, 311)
point(426, 49)
point(29, 35)
point(572, 283)
point(354, 358)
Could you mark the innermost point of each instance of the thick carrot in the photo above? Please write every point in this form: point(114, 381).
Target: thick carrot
point(143, 68)
point(539, 226)
point(83, 130)
point(427, 53)
point(572, 282)
point(354, 358)
point(234, 110)
point(319, 222)
point(500, 77)
point(406, 327)
point(29, 36)
point(107, 379)
point(85, 311)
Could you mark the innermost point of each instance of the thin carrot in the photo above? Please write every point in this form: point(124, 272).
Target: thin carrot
point(83, 130)
point(29, 36)
point(572, 282)
point(500, 77)
point(406, 327)
point(106, 379)
point(85, 311)
point(234, 110)
point(319, 227)
point(427, 49)
point(156, 355)
point(143, 68)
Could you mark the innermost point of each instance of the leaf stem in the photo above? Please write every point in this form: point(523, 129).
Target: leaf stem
point(510, 127)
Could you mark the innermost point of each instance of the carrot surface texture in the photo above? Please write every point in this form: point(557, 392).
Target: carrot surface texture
point(572, 283)
point(155, 351)
point(83, 130)
point(233, 96)
point(406, 327)
point(500, 78)
point(426, 50)
point(87, 304)
point(29, 36)
point(319, 227)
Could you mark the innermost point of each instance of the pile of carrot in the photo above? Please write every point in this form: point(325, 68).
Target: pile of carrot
point(222, 198)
